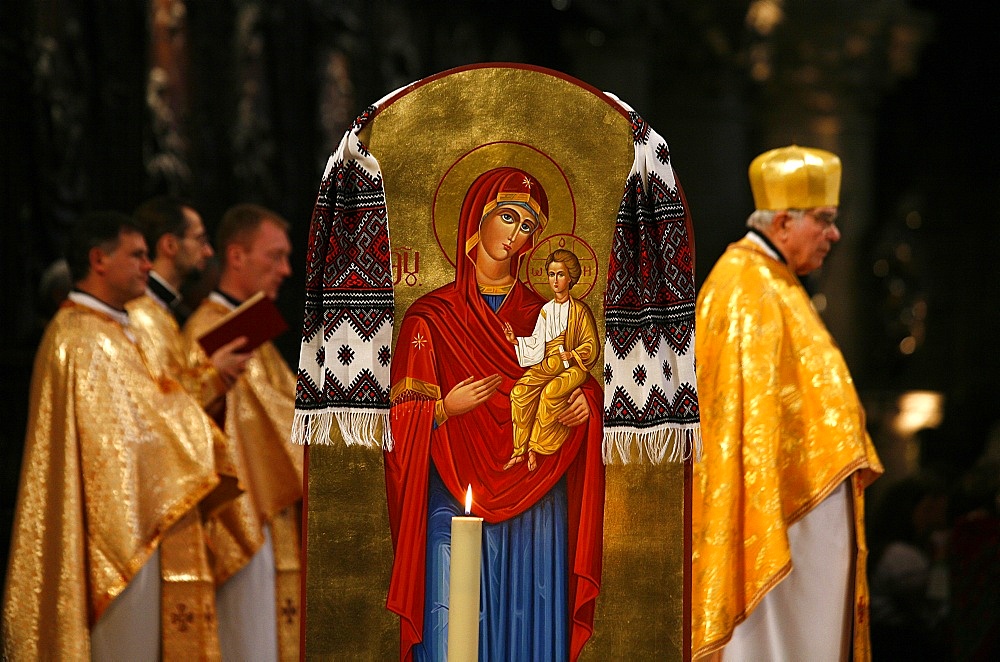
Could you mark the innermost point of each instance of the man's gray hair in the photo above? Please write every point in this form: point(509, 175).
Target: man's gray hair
point(761, 219)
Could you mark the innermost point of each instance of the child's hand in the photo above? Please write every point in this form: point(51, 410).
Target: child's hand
point(508, 333)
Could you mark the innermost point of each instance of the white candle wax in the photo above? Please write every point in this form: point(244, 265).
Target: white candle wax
point(463, 596)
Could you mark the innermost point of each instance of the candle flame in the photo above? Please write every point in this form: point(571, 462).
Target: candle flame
point(468, 500)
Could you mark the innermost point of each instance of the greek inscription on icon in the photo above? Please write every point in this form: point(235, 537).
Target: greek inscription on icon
point(401, 266)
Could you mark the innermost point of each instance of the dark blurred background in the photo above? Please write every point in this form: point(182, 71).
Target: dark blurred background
point(105, 103)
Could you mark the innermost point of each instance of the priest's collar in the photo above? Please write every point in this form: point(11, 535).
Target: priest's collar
point(758, 237)
point(161, 290)
point(90, 301)
point(223, 297)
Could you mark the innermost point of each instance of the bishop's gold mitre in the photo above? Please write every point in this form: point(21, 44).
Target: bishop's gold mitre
point(795, 177)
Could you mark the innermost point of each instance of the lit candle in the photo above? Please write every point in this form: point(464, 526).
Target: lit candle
point(463, 597)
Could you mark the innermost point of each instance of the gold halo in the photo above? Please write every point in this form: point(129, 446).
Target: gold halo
point(459, 176)
point(535, 264)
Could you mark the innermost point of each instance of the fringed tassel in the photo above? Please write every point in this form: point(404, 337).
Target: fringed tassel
point(357, 428)
point(657, 445)
point(312, 428)
point(365, 428)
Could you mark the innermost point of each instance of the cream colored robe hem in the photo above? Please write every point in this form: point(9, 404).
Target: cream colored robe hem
point(808, 615)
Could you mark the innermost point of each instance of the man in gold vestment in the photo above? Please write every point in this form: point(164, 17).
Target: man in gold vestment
point(117, 463)
point(778, 555)
point(179, 248)
point(254, 248)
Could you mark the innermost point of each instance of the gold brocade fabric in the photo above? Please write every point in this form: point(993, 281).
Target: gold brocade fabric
point(188, 625)
point(160, 338)
point(113, 458)
point(188, 587)
point(286, 537)
point(165, 348)
point(782, 427)
point(258, 418)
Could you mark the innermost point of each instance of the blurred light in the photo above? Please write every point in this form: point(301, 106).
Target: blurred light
point(917, 410)
point(904, 252)
point(561, 5)
point(914, 220)
point(907, 345)
point(764, 15)
point(819, 301)
point(856, 46)
point(595, 37)
point(827, 125)
point(824, 101)
point(760, 71)
point(904, 44)
point(881, 268)
point(716, 39)
point(760, 62)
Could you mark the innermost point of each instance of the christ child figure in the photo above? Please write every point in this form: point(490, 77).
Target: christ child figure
point(558, 355)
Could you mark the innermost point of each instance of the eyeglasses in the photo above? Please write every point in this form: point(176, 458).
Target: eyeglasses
point(825, 216)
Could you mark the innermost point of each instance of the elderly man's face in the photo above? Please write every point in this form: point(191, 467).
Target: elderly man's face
point(809, 238)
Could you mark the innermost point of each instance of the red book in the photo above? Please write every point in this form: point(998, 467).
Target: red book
point(257, 318)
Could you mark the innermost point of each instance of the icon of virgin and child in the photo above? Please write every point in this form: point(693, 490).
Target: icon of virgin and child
point(491, 388)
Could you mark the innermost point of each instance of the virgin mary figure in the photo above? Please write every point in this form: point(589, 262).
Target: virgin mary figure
point(451, 375)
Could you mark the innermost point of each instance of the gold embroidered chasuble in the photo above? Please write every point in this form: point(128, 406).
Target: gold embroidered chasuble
point(114, 460)
point(167, 353)
point(161, 340)
point(258, 419)
point(782, 427)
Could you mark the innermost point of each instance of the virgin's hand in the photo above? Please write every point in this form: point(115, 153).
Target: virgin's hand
point(577, 411)
point(468, 394)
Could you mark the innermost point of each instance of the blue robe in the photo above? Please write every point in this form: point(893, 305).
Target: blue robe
point(523, 581)
point(523, 599)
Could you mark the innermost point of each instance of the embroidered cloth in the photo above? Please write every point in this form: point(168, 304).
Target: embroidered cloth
point(650, 399)
point(650, 392)
point(347, 326)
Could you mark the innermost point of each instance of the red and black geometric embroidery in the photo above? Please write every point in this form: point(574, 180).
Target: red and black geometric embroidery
point(650, 296)
point(364, 392)
point(348, 279)
point(658, 409)
point(345, 355)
